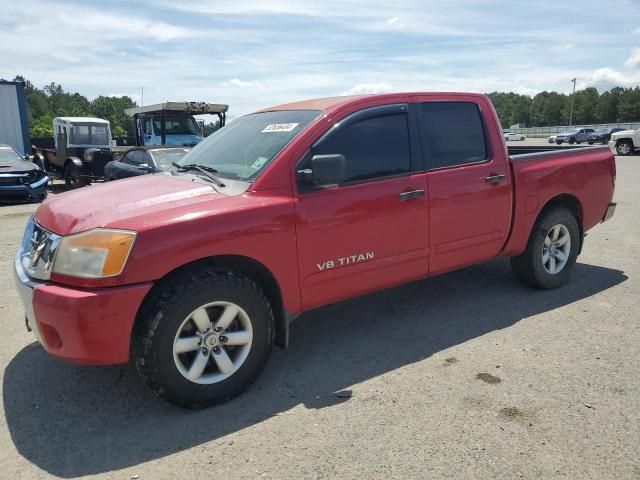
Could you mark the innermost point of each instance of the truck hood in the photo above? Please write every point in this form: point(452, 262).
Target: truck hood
point(112, 203)
point(623, 133)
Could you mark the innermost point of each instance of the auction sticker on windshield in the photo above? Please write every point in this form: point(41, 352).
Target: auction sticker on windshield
point(259, 163)
point(280, 127)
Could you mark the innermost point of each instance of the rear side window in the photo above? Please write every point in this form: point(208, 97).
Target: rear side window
point(452, 134)
point(374, 147)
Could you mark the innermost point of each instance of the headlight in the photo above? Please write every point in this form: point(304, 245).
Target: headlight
point(88, 156)
point(97, 253)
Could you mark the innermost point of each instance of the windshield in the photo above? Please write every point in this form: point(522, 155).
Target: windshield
point(9, 155)
point(569, 132)
point(601, 131)
point(176, 126)
point(90, 134)
point(243, 148)
point(164, 158)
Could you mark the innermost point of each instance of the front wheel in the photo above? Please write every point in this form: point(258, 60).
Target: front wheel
point(203, 337)
point(73, 176)
point(624, 147)
point(572, 141)
point(551, 252)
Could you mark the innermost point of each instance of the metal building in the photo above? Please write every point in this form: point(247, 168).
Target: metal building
point(14, 127)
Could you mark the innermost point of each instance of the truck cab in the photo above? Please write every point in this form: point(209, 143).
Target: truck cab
point(173, 123)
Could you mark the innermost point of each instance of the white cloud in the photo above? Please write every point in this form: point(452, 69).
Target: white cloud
point(607, 78)
point(368, 88)
point(634, 59)
point(564, 47)
point(236, 82)
point(397, 23)
point(637, 30)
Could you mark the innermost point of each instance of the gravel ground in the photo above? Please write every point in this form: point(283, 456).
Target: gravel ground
point(466, 375)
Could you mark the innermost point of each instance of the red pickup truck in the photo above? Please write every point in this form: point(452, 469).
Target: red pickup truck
point(196, 272)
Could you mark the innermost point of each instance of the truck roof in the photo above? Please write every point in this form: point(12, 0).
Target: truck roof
point(330, 103)
point(80, 120)
point(193, 108)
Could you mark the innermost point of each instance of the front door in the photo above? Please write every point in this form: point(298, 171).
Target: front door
point(369, 231)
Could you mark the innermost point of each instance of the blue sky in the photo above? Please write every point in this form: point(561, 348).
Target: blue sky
point(252, 54)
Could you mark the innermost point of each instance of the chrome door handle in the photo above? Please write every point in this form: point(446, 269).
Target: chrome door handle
point(412, 194)
point(495, 178)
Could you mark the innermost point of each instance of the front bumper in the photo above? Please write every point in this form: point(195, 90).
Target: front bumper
point(36, 190)
point(91, 327)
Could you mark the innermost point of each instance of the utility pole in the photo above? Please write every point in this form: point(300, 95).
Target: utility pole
point(573, 97)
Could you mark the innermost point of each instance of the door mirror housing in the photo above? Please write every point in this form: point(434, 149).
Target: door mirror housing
point(325, 170)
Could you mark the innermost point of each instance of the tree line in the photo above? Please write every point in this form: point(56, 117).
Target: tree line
point(544, 109)
point(553, 108)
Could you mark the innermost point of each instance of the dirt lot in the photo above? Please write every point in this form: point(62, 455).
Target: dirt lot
point(467, 375)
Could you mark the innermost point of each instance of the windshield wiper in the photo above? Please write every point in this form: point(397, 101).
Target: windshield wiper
point(208, 171)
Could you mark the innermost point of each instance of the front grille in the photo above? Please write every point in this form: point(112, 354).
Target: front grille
point(13, 179)
point(9, 181)
point(38, 250)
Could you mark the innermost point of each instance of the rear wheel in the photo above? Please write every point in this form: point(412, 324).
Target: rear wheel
point(551, 252)
point(203, 337)
point(624, 147)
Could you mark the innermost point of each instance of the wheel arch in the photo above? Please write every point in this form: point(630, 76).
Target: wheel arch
point(253, 270)
point(570, 202)
point(75, 160)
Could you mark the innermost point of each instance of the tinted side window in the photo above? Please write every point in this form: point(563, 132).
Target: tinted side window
point(374, 147)
point(452, 134)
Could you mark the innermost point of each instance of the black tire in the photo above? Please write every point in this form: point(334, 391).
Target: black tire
point(529, 267)
point(590, 143)
point(162, 315)
point(72, 175)
point(572, 141)
point(624, 147)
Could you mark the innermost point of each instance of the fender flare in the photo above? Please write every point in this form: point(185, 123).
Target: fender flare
point(39, 160)
point(76, 161)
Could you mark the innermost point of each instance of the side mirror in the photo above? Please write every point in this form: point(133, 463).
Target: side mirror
point(325, 170)
point(145, 166)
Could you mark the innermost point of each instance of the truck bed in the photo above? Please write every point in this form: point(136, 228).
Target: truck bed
point(586, 175)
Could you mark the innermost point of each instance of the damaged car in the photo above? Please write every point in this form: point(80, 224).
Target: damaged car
point(20, 179)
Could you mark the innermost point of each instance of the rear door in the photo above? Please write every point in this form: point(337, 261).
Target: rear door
point(371, 230)
point(468, 180)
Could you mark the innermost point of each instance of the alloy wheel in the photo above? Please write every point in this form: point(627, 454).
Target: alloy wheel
point(213, 342)
point(556, 249)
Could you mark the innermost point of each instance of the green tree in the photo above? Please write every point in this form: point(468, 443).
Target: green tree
point(43, 126)
point(210, 127)
point(629, 106)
